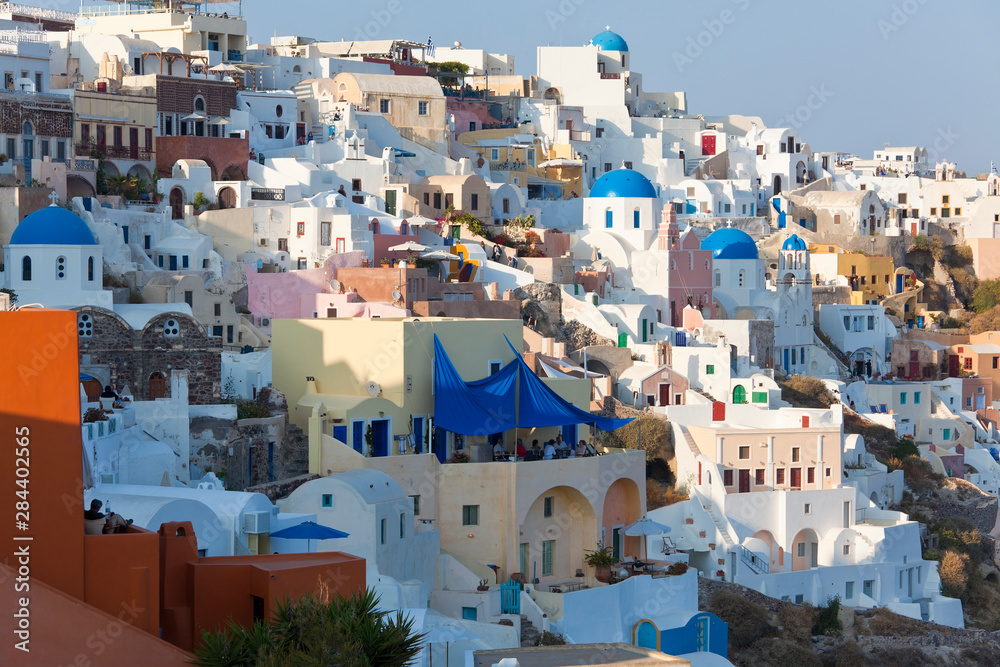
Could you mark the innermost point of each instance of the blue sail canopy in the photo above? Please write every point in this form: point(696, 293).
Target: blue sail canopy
point(513, 397)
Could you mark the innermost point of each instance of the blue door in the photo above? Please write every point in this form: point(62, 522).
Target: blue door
point(702, 634)
point(440, 443)
point(920, 321)
point(125, 233)
point(358, 436)
point(173, 262)
point(786, 360)
point(270, 461)
point(418, 435)
point(380, 437)
point(569, 434)
point(645, 636)
point(899, 283)
point(340, 433)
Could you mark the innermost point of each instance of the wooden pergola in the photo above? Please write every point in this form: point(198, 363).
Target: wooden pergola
point(190, 61)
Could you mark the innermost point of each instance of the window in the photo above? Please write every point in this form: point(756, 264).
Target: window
point(946, 213)
point(300, 228)
point(779, 476)
point(902, 398)
point(327, 500)
point(383, 106)
point(437, 200)
point(474, 202)
point(422, 108)
point(958, 210)
point(189, 297)
point(356, 184)
point(727, 477)
point(609, 219)
point(635, 219)
point(996, 360)
point(933, 210)
point(607, 166)
point(946, 434)
point(549, 502)
point(470, 515)
point(116, 134)
point(217, 307)
point(90, 269)
point(827, 472)
point(171, 328)
point(868, 587)
point(324, 233)
point(185, 262)
point(506, 205)
point(807, 508)
point(810, 475)
point(149, 139)
point(494, 154)
point(800, 549)
point(402, 525)
point(849, 586)
point(548, 557)
point(710, 370)
point(416, 505)
point(85, 325)
point(871, 322)
point(495, 367)
point(217, 331)
point(382, 531)
point(283, 245)
point(847, 552)
point(795, 454)
point(968, 363)
point(301, 263)
point(945, 199)
point(60, 268)
point(744, 452)
point(759, 477)
point(916, 398)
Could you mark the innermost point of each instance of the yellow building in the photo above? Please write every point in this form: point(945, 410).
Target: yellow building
point(872, 278)
point(121, 124)
point(513, 156)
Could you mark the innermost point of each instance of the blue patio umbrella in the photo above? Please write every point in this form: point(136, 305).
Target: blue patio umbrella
point(309, 531)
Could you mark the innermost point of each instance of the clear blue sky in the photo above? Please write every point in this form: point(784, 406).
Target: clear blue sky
point(903, 72)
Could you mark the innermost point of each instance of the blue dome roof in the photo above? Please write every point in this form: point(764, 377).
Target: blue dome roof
point(609, 41)
point(793, 242)
point(52, 225)
point(730, 243)
point(623, 183)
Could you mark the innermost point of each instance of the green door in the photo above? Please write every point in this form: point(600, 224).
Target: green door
point(739, 394)
point(390, 202)
point(645, 329)
point(622, 340)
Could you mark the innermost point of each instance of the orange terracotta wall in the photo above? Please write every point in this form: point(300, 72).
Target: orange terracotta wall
point(122, 577)
point(40, 392)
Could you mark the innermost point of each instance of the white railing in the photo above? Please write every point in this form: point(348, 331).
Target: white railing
point(16, 36)
point(38, 12)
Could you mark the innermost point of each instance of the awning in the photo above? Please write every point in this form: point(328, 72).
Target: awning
point(512, 398)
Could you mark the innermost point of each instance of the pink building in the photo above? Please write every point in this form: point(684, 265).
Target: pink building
point(384, 236)
point(690, 275)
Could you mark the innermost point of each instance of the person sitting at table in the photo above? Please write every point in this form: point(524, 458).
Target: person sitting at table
point(499, 452)
point(560, 445)
point(586, 449)
point(549, 452)
point(520, 451)
point(535, 449)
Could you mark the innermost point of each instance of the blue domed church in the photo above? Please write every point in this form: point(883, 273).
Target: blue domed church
point(53, 259)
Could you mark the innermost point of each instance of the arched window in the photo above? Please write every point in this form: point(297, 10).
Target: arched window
point(199, 103)
point(718, 278)
point(60, 268)
point(26, 129)
point(90, 269)
point(296, 69)
point(26, 268)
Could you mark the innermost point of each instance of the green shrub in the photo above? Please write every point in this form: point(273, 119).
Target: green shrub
point(551, 639)
point(827, 618)
point(251, 410)
point(94, 415)
point(987, 296)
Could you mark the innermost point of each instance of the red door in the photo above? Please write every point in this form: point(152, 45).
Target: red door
point(708, 144)
point(953, 366)
point(664, 394)
point(745, 481)
point(796, 478)
point(914, 370)
point(913, 229)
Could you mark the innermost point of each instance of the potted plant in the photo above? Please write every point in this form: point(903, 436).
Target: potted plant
point(601, 560)
point(459, 457)
point(484, 585)
point(385, 261)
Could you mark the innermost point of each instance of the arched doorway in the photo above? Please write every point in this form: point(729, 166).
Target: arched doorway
point(739, 394)
point(176, 203)
point(77, 186)
point(93, 388)
point(777, 185)
point(157, 386)
point(227, 197)
point(805, 550)
point(622, 508)
point(548, 550)
point(646, 635)
point(233, 173)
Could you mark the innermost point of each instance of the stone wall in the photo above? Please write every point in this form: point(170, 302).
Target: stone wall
point(120, 355)
point(828, 295)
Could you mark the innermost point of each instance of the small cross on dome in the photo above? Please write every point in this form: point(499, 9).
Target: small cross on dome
point(54, 198)
point(607, 27)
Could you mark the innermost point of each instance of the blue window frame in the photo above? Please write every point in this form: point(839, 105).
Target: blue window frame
point(609, 218)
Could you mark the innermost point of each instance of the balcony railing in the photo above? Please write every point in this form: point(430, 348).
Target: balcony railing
point(611, 75)
point(754, 562)
point(84, 165)
point(579, 135)
point(37, 12)
point(267, 194)
point(508, 165)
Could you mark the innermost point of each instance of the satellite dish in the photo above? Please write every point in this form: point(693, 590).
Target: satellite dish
point(373, 389)
point(335, 285)
point(396, 296)
point(458, 45)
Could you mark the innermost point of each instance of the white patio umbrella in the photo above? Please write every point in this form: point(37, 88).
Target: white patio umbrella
point(195, 116)
point(645, 527)
point(409, 246)
point(561, 162)
point(440, 255)
point(225, 67)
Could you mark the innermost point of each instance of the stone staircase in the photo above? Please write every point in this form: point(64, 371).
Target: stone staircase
point(530, 635)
